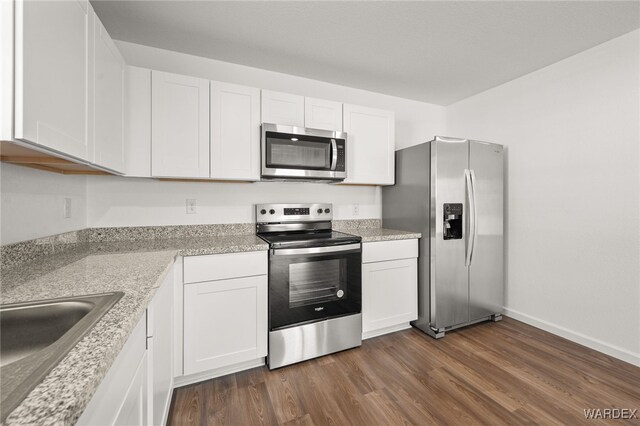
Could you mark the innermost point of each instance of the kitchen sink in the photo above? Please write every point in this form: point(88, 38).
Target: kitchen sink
point(35, 336)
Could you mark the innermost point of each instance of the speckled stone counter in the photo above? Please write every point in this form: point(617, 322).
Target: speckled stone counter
point(380, 234)
point(104, 260)
point(136, 268)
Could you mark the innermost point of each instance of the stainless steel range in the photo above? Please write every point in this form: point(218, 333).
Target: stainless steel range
point(314, 283)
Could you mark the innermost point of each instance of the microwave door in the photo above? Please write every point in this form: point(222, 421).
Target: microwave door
point(334, 154)
point(294, 153)
point(298, 153)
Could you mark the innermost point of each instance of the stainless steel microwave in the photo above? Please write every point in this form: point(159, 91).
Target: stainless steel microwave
point(297, 153)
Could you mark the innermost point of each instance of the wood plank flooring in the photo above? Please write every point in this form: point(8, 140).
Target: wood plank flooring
point(490, 373)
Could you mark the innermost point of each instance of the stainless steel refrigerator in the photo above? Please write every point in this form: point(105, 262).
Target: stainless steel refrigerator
point(451, 190)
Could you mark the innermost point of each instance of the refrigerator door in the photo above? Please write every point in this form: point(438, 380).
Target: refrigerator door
point(486, 295)
point(449, 285)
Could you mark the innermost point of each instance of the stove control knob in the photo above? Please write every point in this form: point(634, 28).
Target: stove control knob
point(340, 293)
point(319, 211)
point(263, 211)
point(272, 211)
point(327, 211)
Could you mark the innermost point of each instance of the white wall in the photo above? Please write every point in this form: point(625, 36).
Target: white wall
point(32, 203)
point(116, 201)
point(415, 121)
point(572, 132)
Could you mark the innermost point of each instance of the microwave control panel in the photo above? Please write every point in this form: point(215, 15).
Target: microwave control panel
point(340, 163)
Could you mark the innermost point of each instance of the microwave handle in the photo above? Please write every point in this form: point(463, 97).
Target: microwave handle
point(334, 155)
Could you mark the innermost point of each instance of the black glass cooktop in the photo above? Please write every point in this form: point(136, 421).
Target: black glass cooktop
point(308, 239)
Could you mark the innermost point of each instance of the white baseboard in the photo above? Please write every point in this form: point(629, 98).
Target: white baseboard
point(386, 330)
point(590, 342)
point(218, 372)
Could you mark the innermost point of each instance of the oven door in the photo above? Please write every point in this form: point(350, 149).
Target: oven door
point(310, 284)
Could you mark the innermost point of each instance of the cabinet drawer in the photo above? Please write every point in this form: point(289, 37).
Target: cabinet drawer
point(222, 266)
point(389, 250)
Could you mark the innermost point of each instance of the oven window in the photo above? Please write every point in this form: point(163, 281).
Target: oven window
point(317, 282)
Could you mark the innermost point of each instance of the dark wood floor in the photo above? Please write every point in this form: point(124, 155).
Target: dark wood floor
point(491, 373)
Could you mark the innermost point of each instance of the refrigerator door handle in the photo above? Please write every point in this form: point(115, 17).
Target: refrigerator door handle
point(467, 252)
point(469, 176)
point(474, 216)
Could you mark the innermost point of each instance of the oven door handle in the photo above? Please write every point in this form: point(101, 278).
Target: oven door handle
point(316, 250)
point(334, 154)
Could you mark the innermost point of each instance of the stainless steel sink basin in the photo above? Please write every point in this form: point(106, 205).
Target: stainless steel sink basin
point(35, 336)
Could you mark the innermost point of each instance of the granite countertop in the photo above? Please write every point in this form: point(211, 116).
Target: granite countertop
point(369, 235)
point(137, 268)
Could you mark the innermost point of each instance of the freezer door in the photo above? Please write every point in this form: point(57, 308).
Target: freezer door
point(449, 289)
point(486, 282)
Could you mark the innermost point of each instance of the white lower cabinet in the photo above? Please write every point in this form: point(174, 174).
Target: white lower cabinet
point(137, 388)
point(133, 410)
point(121, 398)
point(389, 286)
point(224, 315)
point(225, 323)
point(160, 351)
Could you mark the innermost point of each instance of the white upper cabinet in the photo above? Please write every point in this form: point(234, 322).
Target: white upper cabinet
point(282, 108)
point(322, 114)
point(6, 69)
point(179, 126)
point(370, 145)
point(51, 60)
point(108, 96)
point(235, 132)
point(137, 121)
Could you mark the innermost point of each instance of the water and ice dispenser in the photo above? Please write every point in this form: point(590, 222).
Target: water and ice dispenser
point(452, 221)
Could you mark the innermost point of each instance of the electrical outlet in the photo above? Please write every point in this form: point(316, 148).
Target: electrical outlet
point(191, 206)
point(356, 209)
point(67, 208)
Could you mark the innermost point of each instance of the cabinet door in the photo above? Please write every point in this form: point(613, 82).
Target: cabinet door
point(134, 408)
point(179, 126)
point(108, 94)
point(389, 294)
point(282, 108)
point(235, 132)
point(225, 323)
point(160, 349)
point(137, 121)
point(370, 145)
point(121, 397)
point(51, 60)
point(321, 114)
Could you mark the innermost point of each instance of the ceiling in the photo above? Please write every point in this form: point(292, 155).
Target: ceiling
point(432, 51)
